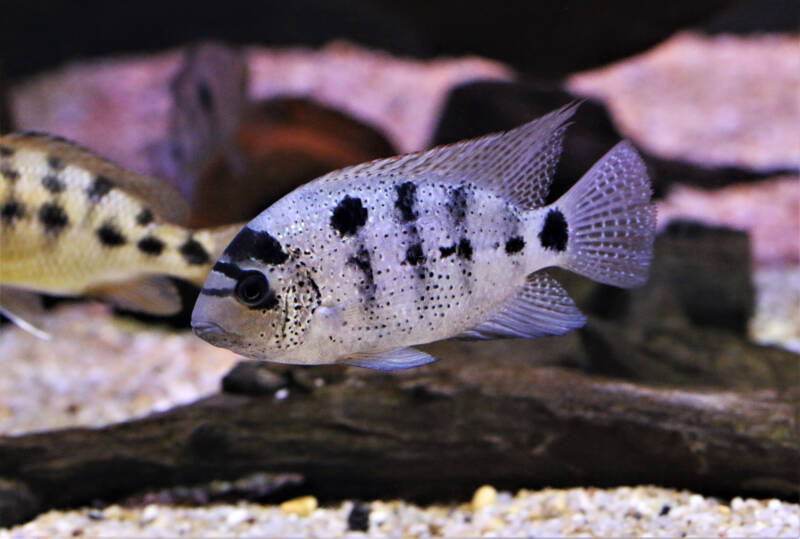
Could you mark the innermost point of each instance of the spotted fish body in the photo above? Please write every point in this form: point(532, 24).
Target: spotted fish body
point(365, 262)
point(72, 223)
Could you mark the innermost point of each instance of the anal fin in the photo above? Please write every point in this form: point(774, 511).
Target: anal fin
point(151, 294)
point(401, 358)
point(23, 308)
point(542, 307)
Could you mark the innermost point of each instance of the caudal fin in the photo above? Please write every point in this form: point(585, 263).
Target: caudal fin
point(611, 221)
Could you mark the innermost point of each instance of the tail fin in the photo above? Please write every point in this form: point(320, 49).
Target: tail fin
point(611, 220)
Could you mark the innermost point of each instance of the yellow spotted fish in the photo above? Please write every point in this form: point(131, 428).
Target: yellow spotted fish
point(73, 223)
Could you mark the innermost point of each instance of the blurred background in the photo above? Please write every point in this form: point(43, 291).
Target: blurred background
point(708, 91)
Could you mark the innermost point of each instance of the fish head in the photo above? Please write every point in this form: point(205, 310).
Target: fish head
point(258, 299)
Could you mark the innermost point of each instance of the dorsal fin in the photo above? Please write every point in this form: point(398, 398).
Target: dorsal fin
point(163, 199)
point(517, 164)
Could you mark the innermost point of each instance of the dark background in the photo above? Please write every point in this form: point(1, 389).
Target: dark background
point(543, 39)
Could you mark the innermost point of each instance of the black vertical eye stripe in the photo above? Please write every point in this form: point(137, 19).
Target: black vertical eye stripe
point(260, 245)
point(232, 271)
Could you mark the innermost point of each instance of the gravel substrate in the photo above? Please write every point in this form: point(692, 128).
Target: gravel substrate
point(589, 512)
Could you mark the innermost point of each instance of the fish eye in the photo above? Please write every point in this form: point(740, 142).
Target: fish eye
point(252, 288)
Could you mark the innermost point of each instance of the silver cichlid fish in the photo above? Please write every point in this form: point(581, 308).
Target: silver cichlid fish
point(209, 99)
point(73, 223)
point(362, 263)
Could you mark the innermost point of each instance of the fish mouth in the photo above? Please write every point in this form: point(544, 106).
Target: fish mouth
point(204, 329)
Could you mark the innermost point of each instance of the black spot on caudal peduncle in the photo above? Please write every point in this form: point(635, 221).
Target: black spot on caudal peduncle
point(447, 251)
point(9, 173)
point(457, 205)
point(515, 244)
point(406, 200)
point(194, 253)
point(414, 254)
point(554, 234)
point(6, 151)
point(53, 184)
point(100, 188)
point(348, 216)
point(110, 236)
point(150, 245)
point(53, 217)
point(204, 96)
point(55, 162)
point(465, 249)
point(12, 211)
point(144, 217)
point(362, 261)
point(258, 245)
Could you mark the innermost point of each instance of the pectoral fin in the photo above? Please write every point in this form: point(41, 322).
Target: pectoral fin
point(402, 358)
point(153, 294)
point(24, 308)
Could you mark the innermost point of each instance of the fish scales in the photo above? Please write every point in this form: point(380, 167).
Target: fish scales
point(428, 246)
point(72, 223)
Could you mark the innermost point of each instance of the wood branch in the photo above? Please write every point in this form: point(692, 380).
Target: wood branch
point(429, 433)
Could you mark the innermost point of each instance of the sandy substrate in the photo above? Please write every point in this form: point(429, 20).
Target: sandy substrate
point(587, 512)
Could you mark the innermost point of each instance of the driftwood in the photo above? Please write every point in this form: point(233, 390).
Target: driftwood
point(429, 433)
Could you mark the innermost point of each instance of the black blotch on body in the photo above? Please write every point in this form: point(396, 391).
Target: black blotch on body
point(5, 151)
point(447, 251)
point(100, 188)
point(406, 200)
point(457, 205)
point(362, 261)
point(53, 217)
point(53, 184)
point(465, 249)
point(11, 211)
point(414, 254)
point(194, 253)
point(110, 236)
point(55, 162)
point(150, 245)
point(515, 244)
point(144, 217)
point(259, 245)
point(348, 216)
point(554, 234)
point(204, 96)
point(9, 173)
